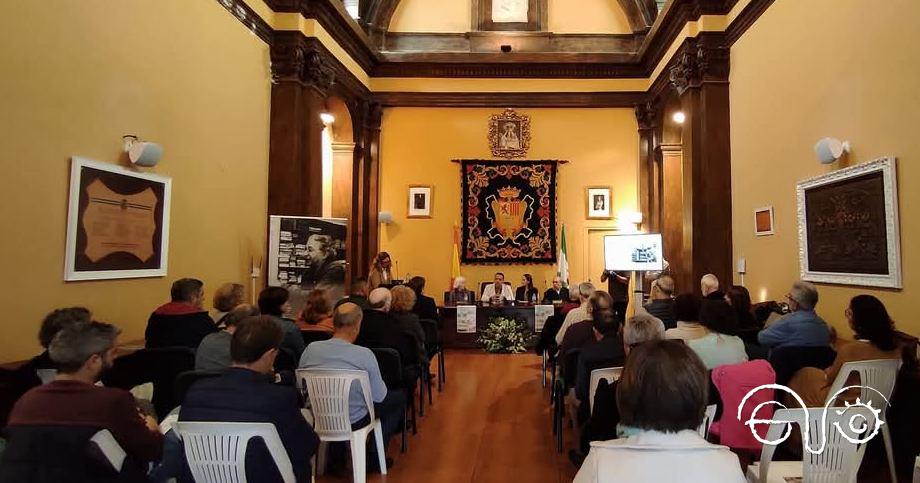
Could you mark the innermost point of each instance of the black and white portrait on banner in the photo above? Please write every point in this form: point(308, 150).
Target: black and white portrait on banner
point(307, 253)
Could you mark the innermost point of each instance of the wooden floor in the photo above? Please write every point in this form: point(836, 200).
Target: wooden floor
point(491, 423)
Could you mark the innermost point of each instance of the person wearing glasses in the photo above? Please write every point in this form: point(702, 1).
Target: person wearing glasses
point(801, 328)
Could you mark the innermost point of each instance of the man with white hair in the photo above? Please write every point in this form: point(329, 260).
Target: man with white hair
point(557, 293)
point(380, 329)
point(709, 285)
point(585, 291)
point(801, 328)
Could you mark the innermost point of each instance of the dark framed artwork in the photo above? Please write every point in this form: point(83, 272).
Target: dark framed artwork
point(419, 201)
point(763, 221)
point(598, 203)
point(509, 134)
point(117, 222)
point(509, 211)
point(849, 231)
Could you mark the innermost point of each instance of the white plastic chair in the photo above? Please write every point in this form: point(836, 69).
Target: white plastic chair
point(611, 374)
point(838, 463)
point(879, 374)
point(707, 421)
point(216, 451)
point(328, 392)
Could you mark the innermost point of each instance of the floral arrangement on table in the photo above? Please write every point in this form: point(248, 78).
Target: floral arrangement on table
point(504, 335)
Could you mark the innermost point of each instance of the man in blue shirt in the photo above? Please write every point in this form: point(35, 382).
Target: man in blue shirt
point(801, 328)
point(340, 352)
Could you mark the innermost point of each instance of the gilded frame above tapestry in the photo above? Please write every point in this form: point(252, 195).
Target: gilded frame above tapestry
point(849, 231)
point(509, 134)
point(117, 223)
point(509, 211)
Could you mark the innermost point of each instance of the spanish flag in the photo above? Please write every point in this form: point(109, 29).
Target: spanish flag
point(455, 258)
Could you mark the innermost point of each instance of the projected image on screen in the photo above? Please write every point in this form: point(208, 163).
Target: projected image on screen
point(633, 252)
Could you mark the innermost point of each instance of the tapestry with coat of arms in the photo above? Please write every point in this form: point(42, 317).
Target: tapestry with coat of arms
point(509, 211)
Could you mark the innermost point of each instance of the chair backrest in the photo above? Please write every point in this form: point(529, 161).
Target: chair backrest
point(708, 417)
point(879, 374)
point(390, 366)
point(328, 391)
point(734, 382)
point(430, 328)
point(611, 374)
point(59, 453)
point(185, 380)
point(786, 361)
point(837, 459)
point(570, 367)
point(286, 360)
point(216, 451)
point(310, 336)
point(160, 366)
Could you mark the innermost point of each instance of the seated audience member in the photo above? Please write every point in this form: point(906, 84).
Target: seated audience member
point(556, 294)
point(425, 306)
point(182, 322)
point(571, 303)
point(802, 327)
point(585, 291)
point(709, 285)
point(380, 329)
point(226, 298)
point(687, 313)
point(498, 291)
point(719, 346)
point(357, 295)
point(460, 294)
point(26, 375)
point(527, 292)
point(740, 300)
point(214, 351)
point(607, 350)
point(317, 313)
point(247, 394)
point(273, 302)
point(662, 396)
point(340, 352)
point(661, 305)
point(82, 352)
point(401, 309)
point(875, 339)
point(602, 424)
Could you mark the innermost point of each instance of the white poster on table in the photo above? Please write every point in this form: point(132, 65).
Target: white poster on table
point(540, 314)
point(466, 319)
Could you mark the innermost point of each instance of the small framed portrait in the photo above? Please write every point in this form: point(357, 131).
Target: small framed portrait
point(763, 221)
point(509, 134)
point(419, 201)
point(598, 202)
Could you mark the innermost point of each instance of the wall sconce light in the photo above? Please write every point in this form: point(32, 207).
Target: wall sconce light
point(142, 153)
point(327, 118)
point(829, 150)
point(629, 221)
point(679, 117)
point(385, 217)
point(505, 48)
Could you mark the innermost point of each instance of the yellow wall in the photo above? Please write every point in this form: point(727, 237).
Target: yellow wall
point(417, 145)
point(587, 16)
point(564, 16)
point(806, 70)
point(78, 76)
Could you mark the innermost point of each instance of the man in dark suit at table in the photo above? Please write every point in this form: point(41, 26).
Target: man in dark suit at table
point(556, 294)
point(246, 393)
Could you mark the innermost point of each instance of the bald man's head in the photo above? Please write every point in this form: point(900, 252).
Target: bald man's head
point(347, 321)
point(709, 284)
point(380, 299)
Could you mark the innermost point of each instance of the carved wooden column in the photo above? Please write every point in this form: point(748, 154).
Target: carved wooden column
point(365, 201)
point(301, 75)
point(701, 81)
point(372, 164)
point(649, 179)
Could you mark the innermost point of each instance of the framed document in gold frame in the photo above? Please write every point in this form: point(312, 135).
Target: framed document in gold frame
point(419, 201)
point(598, 203)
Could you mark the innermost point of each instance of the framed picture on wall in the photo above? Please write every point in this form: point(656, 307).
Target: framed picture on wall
point(419, 201)
point(598, 202)
point(763, 221)
point(849, 231)
point(117, 222)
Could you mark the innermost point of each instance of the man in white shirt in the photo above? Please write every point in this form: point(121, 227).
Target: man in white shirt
point(578, 314)
point(499, 291)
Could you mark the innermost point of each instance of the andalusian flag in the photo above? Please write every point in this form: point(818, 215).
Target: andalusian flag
point(563, 264)
point(455, 258)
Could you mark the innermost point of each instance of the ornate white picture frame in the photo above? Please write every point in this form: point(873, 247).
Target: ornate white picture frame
point(849, 232)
